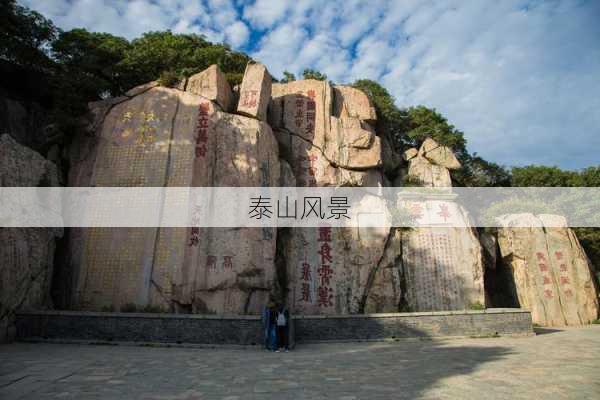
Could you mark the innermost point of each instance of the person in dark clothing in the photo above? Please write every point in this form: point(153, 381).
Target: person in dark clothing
point(282, 319)
point(269, 326)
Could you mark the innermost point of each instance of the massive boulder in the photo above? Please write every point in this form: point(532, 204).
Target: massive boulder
point(439, 155)
point(158, 136)
point(429, 165)
point(549, 269)
point(27, 254)
point(255, 92)
point(212, 85)
point(326, 137)
point(353, 103)
point(430, 268)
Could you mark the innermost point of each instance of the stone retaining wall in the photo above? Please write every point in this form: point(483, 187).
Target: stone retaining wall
point(247, 330)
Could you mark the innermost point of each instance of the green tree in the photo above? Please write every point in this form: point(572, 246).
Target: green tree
point(25, 36)
point(423, 122)
point(313, 74)
point(540, 175)
point(390, 119)
point(477, 172)
point(95, 61)
point(288, 77)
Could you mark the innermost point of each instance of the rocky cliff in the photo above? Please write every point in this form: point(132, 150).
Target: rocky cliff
point(317, 135)
point(548, 269)
point(26, 254)
point(303, 133)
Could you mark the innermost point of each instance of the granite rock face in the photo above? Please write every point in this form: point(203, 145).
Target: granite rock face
point(27, 254)
point(326, 137)
point(439, 155)
point(167, 137)
point(429, 269)
point(317, 135)
point(550, 270)
point(429, 165)
point(212, 85)
point(255, 92)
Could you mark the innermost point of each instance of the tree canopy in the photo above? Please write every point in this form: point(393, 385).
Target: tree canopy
point(79, 66)
point(82, 66)
point(24, 36)
point(313, 74)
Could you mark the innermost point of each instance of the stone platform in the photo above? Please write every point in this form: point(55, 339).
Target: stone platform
point(557, 364)
point(247, 330)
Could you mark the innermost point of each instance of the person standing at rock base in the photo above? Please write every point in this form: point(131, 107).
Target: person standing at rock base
point(282, 321)
point(270, 329)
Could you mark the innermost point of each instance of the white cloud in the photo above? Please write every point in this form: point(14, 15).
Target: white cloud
point(237, 34)
point(266, 13)
point(520, 77)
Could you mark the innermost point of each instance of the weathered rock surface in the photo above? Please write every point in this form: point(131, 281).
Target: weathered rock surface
point(321, 136)
point(166, 137)
point(352, 144)
point(443, 269)
point(438, 154)
point(328, 269)
point(255, 92)
point(354, 103)
point(429, 165)
point(212, 85)
point(27, 253)
point(422, 171)
point(429, 269)
point(550, 270)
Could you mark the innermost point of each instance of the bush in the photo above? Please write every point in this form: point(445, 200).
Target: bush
point(169, 79)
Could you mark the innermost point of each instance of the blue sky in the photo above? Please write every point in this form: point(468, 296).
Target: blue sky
point(520, 78)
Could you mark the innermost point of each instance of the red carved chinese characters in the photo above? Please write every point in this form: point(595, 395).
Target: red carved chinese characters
point(306, 278)
point(227, 262)
point(249, 98)
point(542, 264)
point(299, 102)
point(195, 231)
point(565, 281)
point(211, 262)
point(444, 212)
point(202, 130)
point(311, 108)
point(325, 292)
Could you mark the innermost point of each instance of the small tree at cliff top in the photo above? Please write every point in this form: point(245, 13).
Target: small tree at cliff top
point(287, 77)
point(313, 74)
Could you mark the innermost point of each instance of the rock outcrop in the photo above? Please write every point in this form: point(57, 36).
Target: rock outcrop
point(550, 270)
point(212, 85)
point(317, 135)
point(430, 268)
point(27, 254)
point(157, 136)
point(325, 135)
point(255, 92)
point(429, 166)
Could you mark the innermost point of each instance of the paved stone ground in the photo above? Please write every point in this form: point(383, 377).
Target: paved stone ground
point(558, 364)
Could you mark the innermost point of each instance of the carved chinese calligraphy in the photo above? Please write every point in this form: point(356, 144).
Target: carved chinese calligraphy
point(255, 92)
point(550, 270)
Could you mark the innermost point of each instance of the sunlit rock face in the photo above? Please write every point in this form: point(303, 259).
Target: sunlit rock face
point(313, 135)
point(429, 269)
point(255, 92)
point(325, 134)
point(168, 137)
point(26, 254)
point(549, 269)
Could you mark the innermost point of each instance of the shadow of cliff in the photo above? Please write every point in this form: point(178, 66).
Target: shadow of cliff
point(408, 368)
